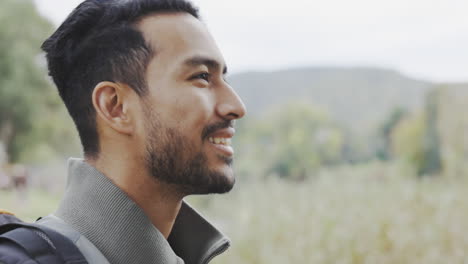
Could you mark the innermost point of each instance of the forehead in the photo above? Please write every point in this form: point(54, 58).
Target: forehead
point(178, 36)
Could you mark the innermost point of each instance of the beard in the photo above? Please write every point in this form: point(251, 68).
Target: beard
point(173, 159)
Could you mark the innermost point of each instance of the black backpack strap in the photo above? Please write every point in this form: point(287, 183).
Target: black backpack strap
point(35, 246)
point(43, 244)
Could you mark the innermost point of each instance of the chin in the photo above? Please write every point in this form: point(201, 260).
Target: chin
point(218, 181)
point(223, 181)
point(229, 181)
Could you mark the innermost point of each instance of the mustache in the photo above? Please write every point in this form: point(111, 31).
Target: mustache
point(216, 126)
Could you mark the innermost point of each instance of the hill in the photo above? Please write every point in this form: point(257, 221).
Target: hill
point(359, 97)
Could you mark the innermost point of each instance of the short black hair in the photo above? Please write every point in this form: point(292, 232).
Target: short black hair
point(100, 42)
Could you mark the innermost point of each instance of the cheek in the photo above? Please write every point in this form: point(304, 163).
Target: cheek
point(190, 111)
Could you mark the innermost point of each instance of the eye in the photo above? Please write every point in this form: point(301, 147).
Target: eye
point(203, 76)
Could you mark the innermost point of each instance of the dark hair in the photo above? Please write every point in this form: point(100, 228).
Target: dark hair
point(99, 42)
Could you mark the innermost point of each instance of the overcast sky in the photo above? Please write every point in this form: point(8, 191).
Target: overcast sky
point(426, 39)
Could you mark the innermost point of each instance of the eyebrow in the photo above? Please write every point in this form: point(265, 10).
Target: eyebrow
point(208, 62)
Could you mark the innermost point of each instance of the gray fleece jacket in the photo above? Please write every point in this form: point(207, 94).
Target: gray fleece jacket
point(108, 227)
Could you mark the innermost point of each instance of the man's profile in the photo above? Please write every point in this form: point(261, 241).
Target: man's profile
point(144, 82)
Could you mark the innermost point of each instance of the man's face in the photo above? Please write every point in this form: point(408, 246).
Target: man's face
point(189, 112)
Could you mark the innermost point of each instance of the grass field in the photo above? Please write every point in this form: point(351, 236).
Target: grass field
point(30, 205)
point(333, 218)
point(346, 217)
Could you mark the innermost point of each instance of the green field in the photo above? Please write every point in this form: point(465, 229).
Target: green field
point(362, 216)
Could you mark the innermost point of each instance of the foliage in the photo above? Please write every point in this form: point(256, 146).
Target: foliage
point(292, 141)
point(385, 131)
point(30, 110)
point(407, 140)
point(452, 128)
point(358, 97)
point(431, 163)
point(418, 139)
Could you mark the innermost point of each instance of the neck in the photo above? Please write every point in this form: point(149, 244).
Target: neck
point(158, 200)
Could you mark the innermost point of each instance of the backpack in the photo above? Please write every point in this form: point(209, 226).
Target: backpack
point(41, 244)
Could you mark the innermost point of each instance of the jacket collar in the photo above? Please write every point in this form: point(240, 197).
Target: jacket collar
point(119, 228)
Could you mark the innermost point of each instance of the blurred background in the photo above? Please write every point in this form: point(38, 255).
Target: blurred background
point(355, 147)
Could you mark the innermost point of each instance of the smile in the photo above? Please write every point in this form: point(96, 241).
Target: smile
point(222, 145)
point(220, 141)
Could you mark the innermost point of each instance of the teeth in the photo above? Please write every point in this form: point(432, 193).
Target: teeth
point(220, 141)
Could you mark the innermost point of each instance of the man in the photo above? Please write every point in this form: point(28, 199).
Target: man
point(144, 83)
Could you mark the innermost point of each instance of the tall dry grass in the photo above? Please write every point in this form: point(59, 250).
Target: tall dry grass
point(352, 215)
point(345, 218)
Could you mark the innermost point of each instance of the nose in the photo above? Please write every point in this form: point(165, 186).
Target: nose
point(230, 105)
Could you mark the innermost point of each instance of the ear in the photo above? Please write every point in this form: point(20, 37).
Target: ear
point(111, 102)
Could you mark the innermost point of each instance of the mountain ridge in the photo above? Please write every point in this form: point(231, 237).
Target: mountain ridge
point(356, 96)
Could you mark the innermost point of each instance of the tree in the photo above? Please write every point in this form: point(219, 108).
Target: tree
point(29, 103)
point(452, 128)
point(292, 141)
point(432, 162)
point(415, 139)
point(407, 141)
point(384, 148)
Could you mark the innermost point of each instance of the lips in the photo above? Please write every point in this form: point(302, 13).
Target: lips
point(221, 140)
